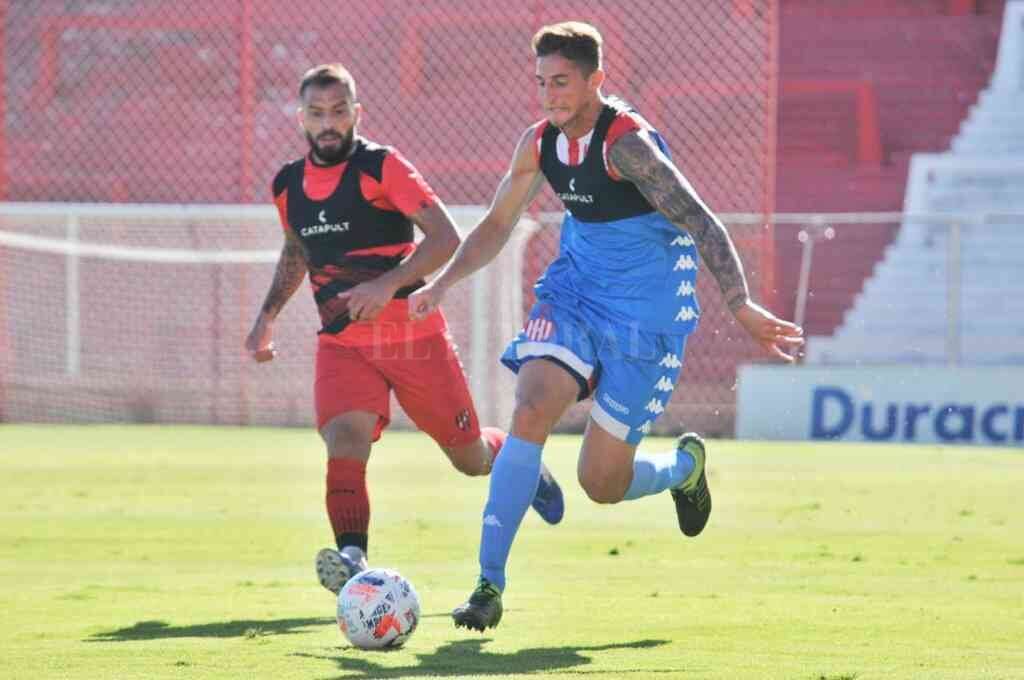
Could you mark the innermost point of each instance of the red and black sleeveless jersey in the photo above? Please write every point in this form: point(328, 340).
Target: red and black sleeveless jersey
point(584, 184)
point(350, 221)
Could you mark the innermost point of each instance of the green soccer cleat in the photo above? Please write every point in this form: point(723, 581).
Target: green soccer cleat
point(482, 610)
point(692, 497)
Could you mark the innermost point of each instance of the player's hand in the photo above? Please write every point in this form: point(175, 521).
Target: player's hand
point(366, 300)
point(770, 332)
point(260, 344)
point(424, 301)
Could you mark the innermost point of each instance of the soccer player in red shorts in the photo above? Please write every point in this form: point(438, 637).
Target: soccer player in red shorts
point(348, 210)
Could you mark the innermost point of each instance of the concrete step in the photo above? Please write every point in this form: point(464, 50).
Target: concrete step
point(911, 348)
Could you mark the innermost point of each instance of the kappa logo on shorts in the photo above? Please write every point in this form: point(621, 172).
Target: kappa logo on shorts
point(685, 288)
point(462, 420)
point(670, 361)
point(686, 313)
point(655, 406)
point(685, 263)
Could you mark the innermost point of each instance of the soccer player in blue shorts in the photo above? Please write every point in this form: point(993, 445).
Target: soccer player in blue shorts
point(613, 310)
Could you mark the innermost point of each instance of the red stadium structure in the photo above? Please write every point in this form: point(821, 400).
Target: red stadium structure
point(768, 105)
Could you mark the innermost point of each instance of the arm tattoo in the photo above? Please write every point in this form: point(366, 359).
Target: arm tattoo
point(291, 269)
point(667, 190)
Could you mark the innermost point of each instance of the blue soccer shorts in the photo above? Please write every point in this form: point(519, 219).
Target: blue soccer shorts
point(631, 374)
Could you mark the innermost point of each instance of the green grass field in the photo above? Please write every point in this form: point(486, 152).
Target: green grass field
point(186, 552)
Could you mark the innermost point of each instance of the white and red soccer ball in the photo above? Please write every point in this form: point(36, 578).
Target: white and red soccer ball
point(378, 608)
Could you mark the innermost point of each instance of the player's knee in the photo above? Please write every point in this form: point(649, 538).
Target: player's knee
point(532, 419)
point(346, 440)
point(604, 489)
point(473, 470)
point(471, 460)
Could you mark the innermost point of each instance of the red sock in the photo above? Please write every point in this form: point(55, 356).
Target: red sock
point(494, 438)
point(348, 505)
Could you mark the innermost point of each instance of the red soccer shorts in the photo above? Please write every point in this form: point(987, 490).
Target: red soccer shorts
point(425, 373)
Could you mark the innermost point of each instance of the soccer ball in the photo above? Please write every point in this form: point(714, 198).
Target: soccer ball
point(378, 608)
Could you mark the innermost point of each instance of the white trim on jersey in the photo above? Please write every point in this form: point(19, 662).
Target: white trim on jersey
point(562, 147)
point(562, 142)
point(607, 421)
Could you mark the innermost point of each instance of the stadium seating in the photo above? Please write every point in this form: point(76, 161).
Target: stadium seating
point(925, 63)
point(967, 276)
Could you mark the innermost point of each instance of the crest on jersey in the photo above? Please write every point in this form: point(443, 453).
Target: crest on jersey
point(539, 328)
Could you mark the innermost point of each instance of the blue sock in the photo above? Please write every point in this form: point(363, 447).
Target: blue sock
point(655, 472)
point(513, 485)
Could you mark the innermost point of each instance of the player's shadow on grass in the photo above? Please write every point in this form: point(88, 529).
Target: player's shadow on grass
point(158, 630)
point(467, 657)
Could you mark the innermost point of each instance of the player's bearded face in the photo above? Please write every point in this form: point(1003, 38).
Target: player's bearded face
point(330, 146)
point(329, 116)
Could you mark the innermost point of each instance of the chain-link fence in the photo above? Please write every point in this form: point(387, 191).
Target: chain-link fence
point(145, 101)
point(149, 101)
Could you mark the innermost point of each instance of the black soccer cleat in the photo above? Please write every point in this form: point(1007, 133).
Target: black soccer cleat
point(692, 497)
point(482, 610)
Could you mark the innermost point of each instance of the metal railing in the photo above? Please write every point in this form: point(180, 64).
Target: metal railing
point(198, 271)
point(818, 229)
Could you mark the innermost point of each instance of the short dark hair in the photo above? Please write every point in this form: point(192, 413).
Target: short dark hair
point(578, 42)
point(327, 74)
